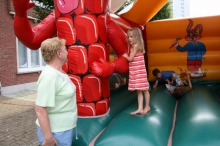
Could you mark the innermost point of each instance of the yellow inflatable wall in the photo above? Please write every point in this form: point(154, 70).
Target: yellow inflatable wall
point(161, 34)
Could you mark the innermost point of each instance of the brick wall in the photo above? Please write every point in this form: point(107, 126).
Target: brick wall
point(8, 58)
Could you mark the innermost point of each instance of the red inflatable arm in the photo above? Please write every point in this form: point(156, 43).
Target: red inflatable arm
point(117, 39)
point(116, 36)
point(105, 69)
point(31, 38)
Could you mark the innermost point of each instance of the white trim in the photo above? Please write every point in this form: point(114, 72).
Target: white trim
point(83, 117)
point(101, 3)
point(85, 105)
point(25, 71)
point(84, 58)
point(28, 58)
point(93, 24)
point(69, 26)
point(105, 102)
point(80, 88)
point(16, 88)
point(28, 69)
point(82, 4)
point(98, 82)
point(29, 17)
point(103, 49)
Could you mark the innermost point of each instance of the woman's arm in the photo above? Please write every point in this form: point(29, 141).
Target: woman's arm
point(43, 119)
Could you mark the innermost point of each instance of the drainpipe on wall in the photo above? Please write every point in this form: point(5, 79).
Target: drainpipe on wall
point(0, 88)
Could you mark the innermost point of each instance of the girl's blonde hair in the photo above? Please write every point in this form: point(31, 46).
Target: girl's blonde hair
point(138, 39)
point(49, 47)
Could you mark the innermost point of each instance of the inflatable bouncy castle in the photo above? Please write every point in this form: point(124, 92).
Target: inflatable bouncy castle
point(96, 40)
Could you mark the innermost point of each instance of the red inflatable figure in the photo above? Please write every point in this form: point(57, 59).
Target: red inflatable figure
point(88, 29)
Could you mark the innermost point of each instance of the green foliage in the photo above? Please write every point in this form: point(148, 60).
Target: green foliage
point(123, 6)
point(164, 13)
point(45, 8)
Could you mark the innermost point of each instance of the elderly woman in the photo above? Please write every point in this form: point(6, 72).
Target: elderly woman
point(56, 99)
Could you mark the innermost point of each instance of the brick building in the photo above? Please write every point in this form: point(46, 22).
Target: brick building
point(19, 66)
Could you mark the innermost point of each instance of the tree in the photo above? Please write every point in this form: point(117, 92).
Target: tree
point(44, 8)
point(128, 2)
point(164, 13)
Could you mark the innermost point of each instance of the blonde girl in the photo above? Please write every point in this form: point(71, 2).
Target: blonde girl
point(137, 70)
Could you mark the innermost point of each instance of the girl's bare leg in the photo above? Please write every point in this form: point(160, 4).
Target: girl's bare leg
point(140, 103)
point(147, 102)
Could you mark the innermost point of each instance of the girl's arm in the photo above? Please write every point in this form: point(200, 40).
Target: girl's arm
point(131, 56)
point(172, 80)
point(168, 82)
point(155, 84)
point(189, 81)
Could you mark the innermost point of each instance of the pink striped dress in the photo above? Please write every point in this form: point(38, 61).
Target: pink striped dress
point(138, 74)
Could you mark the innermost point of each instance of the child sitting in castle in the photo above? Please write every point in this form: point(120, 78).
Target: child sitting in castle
point(163, 75)
point(179, 89)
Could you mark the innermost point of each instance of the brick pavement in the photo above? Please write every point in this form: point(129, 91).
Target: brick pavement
point(17, 120)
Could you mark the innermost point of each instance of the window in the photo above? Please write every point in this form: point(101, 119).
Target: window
point(28, 60)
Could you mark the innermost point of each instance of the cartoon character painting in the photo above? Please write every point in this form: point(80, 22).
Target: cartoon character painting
point(196, 50)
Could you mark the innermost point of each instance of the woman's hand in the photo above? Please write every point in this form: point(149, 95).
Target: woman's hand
point(43, 119)
point(50, 142)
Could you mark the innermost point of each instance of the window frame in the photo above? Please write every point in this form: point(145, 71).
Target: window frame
point(28, 69)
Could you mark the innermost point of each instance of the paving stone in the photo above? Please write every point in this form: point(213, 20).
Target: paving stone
point(17, 120)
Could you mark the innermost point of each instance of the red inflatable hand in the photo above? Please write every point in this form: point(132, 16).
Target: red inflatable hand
point(103, 68)
point(21, 6)
point(121, 65)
